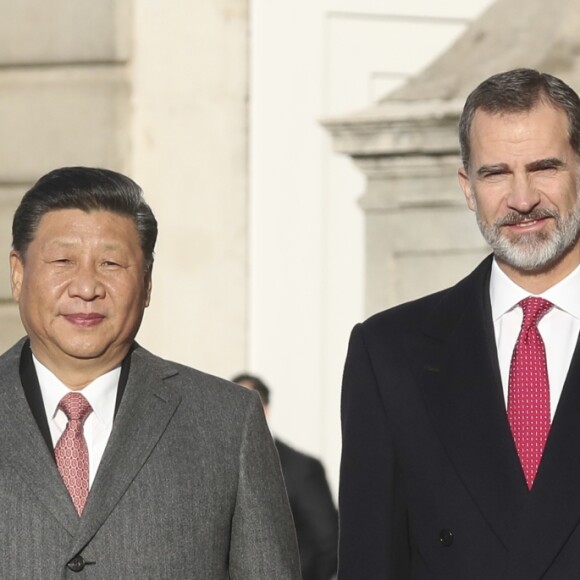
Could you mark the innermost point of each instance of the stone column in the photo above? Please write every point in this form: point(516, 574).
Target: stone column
point(420, 236)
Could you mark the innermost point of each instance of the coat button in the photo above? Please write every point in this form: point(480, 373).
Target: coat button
point(76, 564)
point(446, 538)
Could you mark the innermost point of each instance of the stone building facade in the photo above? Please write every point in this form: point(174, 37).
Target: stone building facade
point(419, 234)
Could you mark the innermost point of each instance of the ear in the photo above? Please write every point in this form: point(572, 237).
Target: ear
point(148, 286)
point(16, 274)
point(465, 184)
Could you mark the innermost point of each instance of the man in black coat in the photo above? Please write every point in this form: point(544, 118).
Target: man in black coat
point(313, 509)
point(457, 462)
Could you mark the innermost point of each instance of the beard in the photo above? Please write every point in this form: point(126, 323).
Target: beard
point(532, 251)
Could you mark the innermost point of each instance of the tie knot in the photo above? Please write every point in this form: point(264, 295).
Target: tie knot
point(75, 407)
point(534, 308)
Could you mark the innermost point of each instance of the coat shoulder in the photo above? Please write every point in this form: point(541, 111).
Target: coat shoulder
point(439, 308)
point(13, 353)
point(193, 383)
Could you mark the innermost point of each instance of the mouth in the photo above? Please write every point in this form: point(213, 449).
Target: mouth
point(531, 221)
point(526, 224)
point(84, 320)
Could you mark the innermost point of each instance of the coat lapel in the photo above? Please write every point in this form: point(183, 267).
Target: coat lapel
point(553, 510)
point(463, 393)
point(145, 411)
point(24, 447)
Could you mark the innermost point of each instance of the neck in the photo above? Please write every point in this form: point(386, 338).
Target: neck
point(538, 281)
point(76, 374)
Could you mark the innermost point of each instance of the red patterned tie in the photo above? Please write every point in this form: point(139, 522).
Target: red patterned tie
point(71, 452)
point(529, 390)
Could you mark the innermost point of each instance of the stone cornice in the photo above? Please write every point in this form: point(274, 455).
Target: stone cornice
point(395, 128)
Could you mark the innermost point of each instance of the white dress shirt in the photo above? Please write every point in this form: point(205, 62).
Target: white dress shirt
point(101, 395)
point(559, 327)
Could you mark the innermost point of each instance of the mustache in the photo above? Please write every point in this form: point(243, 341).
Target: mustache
point(514, 218)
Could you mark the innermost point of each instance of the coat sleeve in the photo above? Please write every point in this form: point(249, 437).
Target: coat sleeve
point(373, 522)
point(263, 540)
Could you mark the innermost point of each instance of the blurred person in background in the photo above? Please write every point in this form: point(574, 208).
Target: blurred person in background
point(313, 509)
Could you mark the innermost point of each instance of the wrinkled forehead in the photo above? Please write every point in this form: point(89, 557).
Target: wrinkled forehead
point(541, 114)
point(78, 228)
point(543, 127)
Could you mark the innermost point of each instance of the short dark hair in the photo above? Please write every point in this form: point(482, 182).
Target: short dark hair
point(87, 189)
point(517, 91)
point(256, 384)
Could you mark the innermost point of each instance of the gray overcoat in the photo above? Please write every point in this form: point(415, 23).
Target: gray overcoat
point(189, 486)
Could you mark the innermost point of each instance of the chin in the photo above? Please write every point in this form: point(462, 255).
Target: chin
point(84, 350)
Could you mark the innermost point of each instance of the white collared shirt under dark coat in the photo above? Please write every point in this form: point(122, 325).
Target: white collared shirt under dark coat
point(559, 327)
point(101, 395)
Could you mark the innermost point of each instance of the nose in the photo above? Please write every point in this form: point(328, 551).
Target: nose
point(86, 284)
point(523, 196)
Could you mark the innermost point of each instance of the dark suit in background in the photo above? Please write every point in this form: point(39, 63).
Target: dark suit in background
point(313, 510)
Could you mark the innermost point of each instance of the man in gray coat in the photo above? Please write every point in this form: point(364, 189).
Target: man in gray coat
point(114, 462)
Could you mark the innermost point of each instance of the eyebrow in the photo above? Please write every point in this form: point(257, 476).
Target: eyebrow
point(550, 163)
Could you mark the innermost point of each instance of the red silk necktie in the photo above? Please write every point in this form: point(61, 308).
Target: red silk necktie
point(71, 452)
point(529, 390)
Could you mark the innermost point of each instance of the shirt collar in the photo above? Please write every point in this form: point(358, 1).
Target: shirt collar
point(505, 293)
point(100, 393)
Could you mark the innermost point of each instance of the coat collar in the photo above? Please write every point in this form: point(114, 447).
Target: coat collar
point(24, 447)
point(144, 413)
point(147, 407)
point(462, 388)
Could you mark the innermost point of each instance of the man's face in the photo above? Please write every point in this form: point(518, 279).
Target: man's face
point(523, 185)
point(81, 288)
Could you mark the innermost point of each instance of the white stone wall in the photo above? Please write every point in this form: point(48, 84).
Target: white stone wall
point(189, 136)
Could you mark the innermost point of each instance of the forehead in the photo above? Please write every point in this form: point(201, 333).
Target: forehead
point(78, 227)
point(520, 138)
point(542, 127)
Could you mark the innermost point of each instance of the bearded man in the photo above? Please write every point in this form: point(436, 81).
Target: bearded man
point(461, 410)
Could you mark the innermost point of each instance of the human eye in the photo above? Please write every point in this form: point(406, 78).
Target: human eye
point(547, 171)
point(492, 174)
